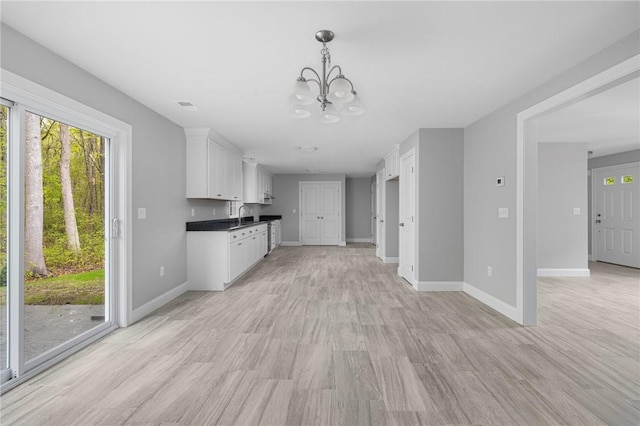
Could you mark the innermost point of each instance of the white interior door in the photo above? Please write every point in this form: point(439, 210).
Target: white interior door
point(320, 206)
point(617, 213)
point(373, 212)
point(407, 214)
point(310, 214)
point(330, 214)
point(380, 241)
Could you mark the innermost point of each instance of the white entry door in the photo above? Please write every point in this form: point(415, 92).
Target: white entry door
point(380, 200)
point(617, 215)
point(407, 215)
point(320, 205)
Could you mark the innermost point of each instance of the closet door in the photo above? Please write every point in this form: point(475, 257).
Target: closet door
point(330, 220)
point(320, 206)
point(309, 214)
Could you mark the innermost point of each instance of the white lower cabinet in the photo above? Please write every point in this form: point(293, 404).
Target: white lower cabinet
point(215, 259)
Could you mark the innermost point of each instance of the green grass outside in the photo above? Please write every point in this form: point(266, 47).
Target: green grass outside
point(86, 288)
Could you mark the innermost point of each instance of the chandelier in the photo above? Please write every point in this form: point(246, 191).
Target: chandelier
point(333, 91)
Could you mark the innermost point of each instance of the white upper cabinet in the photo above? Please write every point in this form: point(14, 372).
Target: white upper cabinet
point(257, 184)
point(392, 163)
point(214, 167)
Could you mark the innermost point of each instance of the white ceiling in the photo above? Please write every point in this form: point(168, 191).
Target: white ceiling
point(414, 64)
point(608, 122)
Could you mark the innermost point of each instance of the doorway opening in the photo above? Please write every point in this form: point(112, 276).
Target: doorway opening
point(527, 179)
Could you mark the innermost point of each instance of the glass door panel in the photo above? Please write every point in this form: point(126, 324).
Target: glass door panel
point(65, 247)
point(4, 314)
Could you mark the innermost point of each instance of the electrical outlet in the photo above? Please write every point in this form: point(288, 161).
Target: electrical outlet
point(162, 271)
point(503, 212)
point(193, 212)
point(576, 210)
point(489, 271)
point(214, 212)
point(294, 211)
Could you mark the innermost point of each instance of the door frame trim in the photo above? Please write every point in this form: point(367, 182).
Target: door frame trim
point(44, 101)
point(526, 184)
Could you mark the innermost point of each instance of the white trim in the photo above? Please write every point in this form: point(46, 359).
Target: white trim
point(158, 302)
point(564, 272)
point(290, 243)
point(439, 286)
point(342, 244)
point(583, 88)
point(505, 309)
point(358, 240)
point(391, 260)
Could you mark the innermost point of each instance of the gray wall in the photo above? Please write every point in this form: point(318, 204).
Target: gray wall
point(286, 191)
point(489, 152)
point(440, 205)
point(562, 236)
point(605, 161)
point(158, 162)
point(392, 218)
point(358, 207)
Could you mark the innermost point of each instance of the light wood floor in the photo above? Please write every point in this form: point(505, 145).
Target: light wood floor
point(330, 336)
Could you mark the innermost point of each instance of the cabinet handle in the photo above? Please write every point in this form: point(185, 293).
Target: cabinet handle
point(235, 236)
point(254, 238)
point(219, 195)
point(235, 197)
point(239, 244)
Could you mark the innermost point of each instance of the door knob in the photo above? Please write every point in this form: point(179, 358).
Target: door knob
point(401, 224)
point(381, 221)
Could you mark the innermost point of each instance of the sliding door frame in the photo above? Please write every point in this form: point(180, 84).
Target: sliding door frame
point(30, 96)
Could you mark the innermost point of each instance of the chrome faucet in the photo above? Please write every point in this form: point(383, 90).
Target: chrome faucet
point(240, 214)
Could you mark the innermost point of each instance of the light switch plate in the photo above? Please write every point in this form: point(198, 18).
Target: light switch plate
point(142, 213)
point(503, 212)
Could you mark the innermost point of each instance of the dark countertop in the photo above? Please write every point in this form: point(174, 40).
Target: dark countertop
point(270, 217)
point(223, 224)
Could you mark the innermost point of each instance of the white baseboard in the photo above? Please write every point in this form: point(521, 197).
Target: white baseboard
point(391, 260)
point(564, 272)
point(439, 286)
point(290, 243)
point(358, 240)
point(158, 302)
point(342, 243)
point(489, 300)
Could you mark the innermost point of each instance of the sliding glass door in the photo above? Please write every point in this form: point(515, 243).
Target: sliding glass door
point(56, 238)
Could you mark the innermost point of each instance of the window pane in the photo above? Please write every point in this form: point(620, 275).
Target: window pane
point(610, 181)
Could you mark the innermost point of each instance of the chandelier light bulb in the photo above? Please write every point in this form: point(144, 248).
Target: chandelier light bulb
point(355, 107)
point(301, 93)
point(299, 112)
point(340, 91)
point(329, 115)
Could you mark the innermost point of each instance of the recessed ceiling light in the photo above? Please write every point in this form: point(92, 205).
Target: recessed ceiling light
point(307, 148)
point(188, 106)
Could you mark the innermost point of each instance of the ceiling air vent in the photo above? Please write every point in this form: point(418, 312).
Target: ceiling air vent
point(187, 106)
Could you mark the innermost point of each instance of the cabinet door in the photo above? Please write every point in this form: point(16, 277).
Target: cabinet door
point(260, 186)
point(217, 171)
point(236, 259)
point(235, 177)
